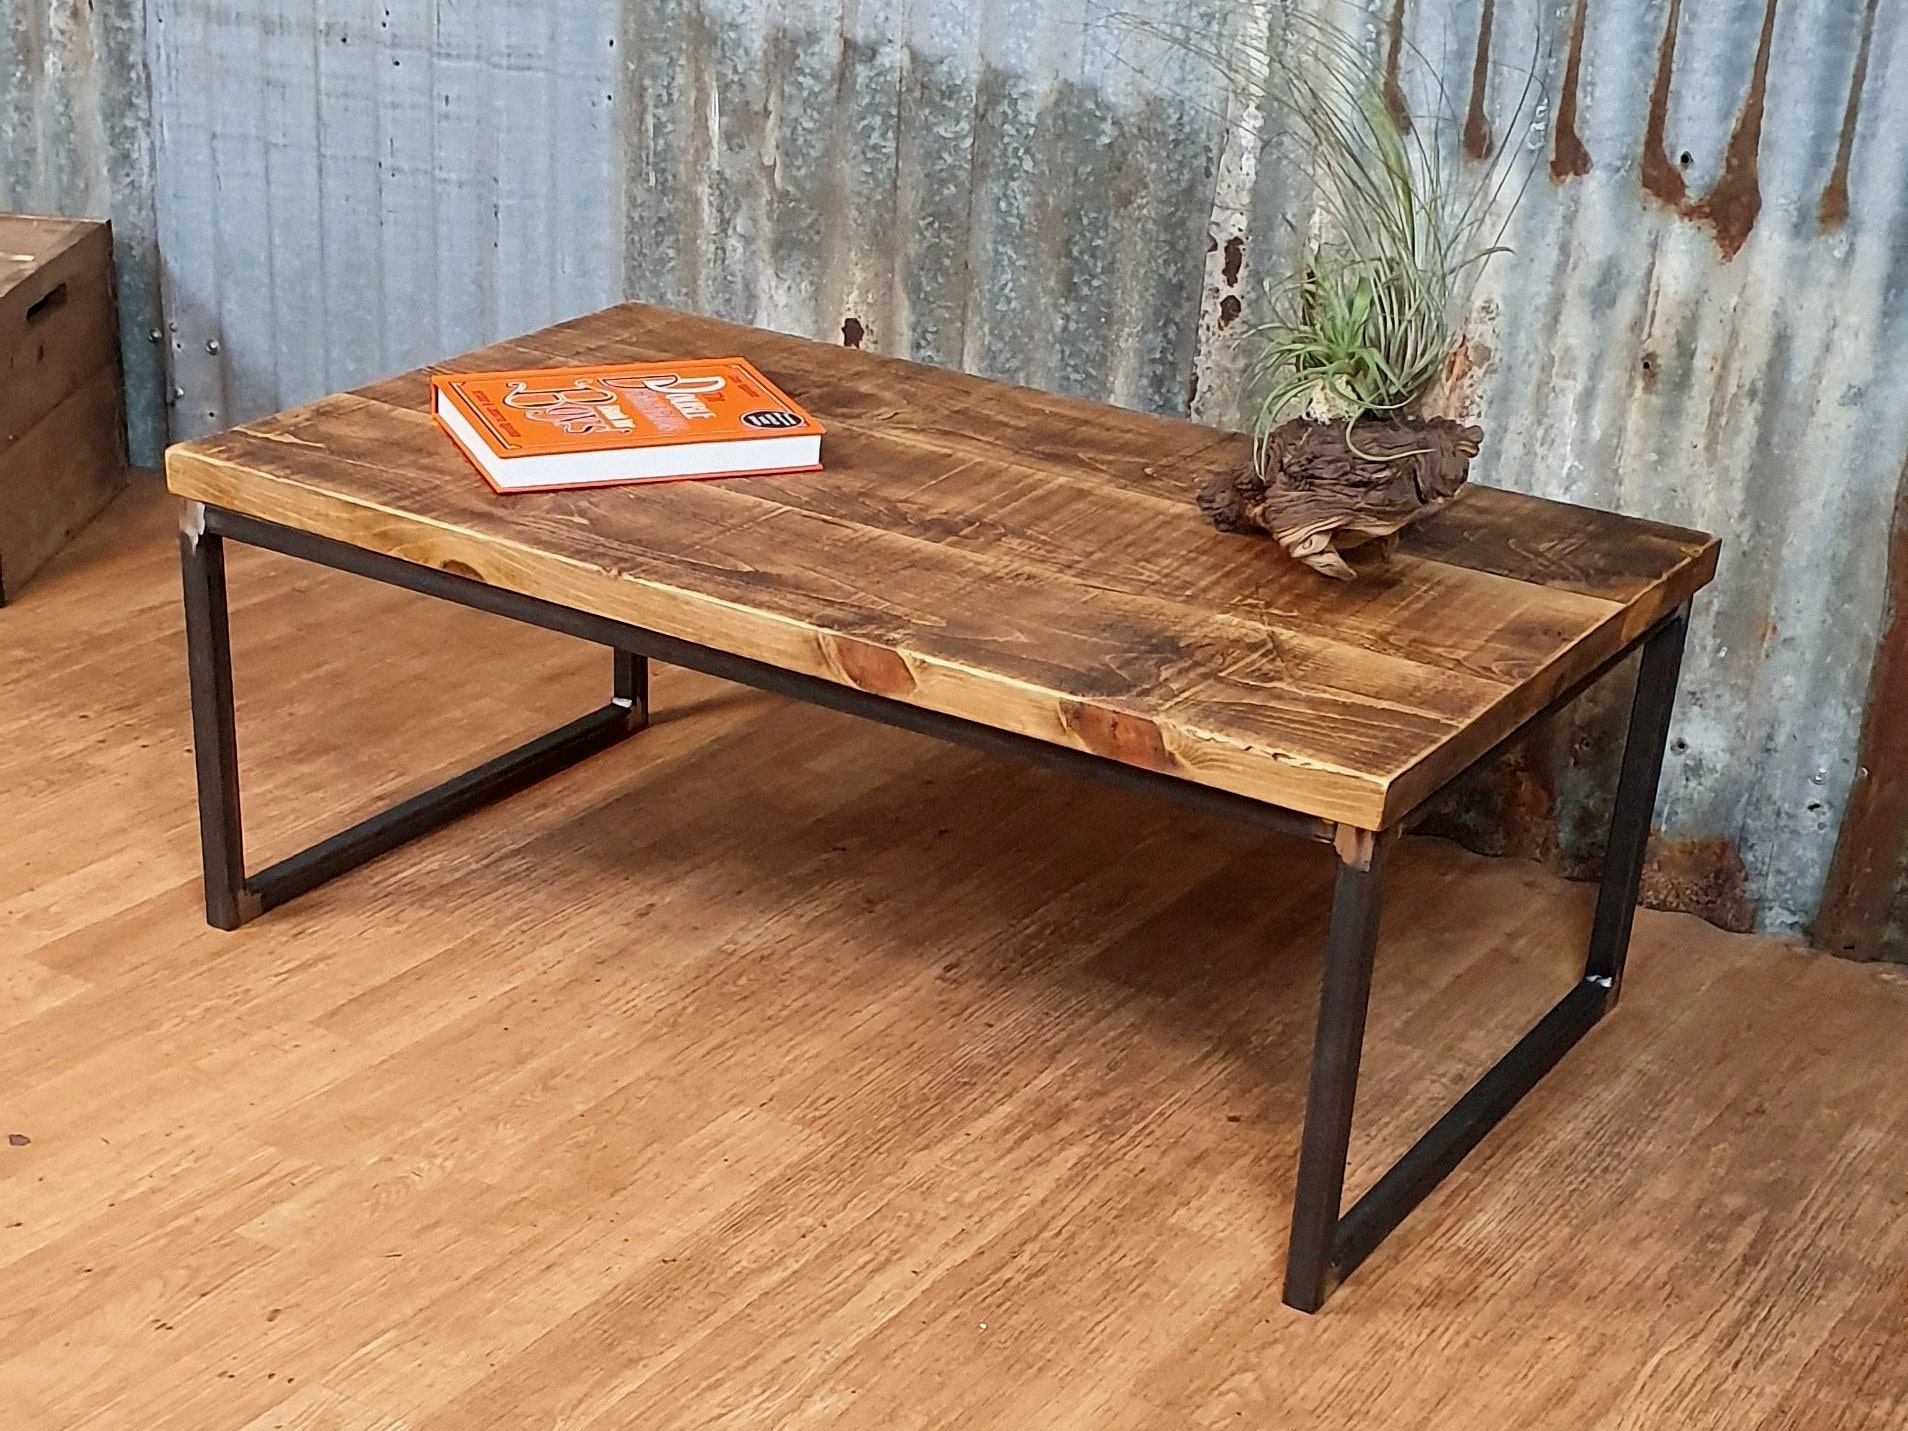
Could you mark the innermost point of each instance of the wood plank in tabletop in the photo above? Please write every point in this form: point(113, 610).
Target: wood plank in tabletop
point(1019, 559)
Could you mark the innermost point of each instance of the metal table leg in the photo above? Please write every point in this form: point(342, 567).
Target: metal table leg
point(228, 904)
point(1325, 1248)
point(1630, 816)
point(231, 896)
point(1344, 995)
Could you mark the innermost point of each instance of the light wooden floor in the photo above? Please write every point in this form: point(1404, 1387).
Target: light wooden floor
point(774, 1070)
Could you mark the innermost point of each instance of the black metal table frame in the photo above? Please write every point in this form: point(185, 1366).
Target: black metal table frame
point(1325, 1245)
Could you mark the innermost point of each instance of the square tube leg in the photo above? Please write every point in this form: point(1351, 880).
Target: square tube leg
point(1635, 804)
point(1345, 993)
point(630, 688)
point(214, 728)
point(1325, 1247)
point(232, 897)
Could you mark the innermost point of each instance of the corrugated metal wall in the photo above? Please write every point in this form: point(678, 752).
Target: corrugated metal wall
point(990, 186)
point(350, 189)
point(76, 138)
point(1704, 320)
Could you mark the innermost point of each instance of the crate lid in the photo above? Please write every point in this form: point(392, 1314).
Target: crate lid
point(29, 241)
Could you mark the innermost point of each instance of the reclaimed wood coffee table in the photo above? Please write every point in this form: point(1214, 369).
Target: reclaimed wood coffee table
point(1016, 571)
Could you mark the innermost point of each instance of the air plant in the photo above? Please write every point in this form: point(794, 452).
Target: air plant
point(1342, 452)
point(1365, 328)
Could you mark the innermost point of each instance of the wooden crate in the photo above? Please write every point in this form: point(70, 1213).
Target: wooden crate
point(62, 419)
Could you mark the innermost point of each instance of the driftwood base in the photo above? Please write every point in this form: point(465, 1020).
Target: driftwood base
point(1323, 491)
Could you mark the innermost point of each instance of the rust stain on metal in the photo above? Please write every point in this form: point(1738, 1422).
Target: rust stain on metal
point(1833, 211)
point(1660, 177)
point(1530, 813)
point(1457, 392)
point(1531, 804)
point(1477, 124)
point(1511, 809)
point(1866, 896)
point(1229, 308)
point(1527, 813)
point(1701, 877)
point(1568, 157)
point(1732, 206)
point(852, 332)
point(1235, 260)
point(1395, 104)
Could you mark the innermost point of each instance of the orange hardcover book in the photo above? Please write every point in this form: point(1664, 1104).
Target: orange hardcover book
point(545, 429)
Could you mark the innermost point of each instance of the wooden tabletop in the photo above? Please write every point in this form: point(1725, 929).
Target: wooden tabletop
point(1031, 562)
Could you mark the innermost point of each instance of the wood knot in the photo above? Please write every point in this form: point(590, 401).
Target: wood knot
point(1129, 739)
point(869, 667)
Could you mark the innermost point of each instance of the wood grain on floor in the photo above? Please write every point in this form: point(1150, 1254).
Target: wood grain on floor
point(775, 1070)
